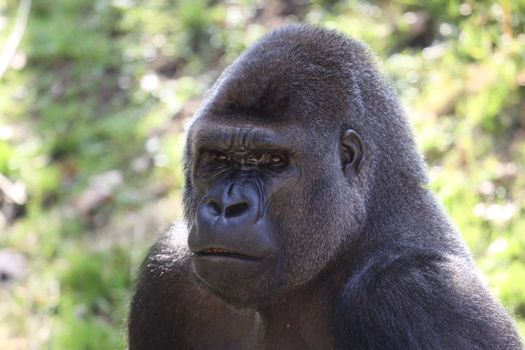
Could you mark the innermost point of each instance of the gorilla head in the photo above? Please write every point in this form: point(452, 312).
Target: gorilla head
point(281, 163)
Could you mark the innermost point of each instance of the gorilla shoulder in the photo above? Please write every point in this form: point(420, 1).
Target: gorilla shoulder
point(172, 310)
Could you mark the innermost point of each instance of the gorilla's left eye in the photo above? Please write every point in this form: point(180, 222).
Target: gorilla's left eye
point(276, 160)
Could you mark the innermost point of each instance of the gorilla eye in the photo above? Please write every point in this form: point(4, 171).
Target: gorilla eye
point(219, 157)
point(276, 160)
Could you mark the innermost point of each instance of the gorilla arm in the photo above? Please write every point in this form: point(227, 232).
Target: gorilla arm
point(421, 300)
point(172, 310)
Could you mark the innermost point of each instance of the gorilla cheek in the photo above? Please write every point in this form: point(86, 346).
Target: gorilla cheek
point(311, 240)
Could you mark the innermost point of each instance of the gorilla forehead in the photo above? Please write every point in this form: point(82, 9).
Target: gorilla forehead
point(245, 138)
point(324, 82)
point(286, 75)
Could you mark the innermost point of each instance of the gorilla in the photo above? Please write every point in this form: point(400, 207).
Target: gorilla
point(309, 220)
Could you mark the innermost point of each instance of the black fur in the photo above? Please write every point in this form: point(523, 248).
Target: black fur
point(310, 224)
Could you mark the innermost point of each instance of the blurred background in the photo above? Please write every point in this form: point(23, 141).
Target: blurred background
point(96, 96)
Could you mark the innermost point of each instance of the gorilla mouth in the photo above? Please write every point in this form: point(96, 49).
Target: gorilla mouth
point(220, 252)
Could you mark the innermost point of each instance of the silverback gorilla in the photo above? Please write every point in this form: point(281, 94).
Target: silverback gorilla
point(310, 225)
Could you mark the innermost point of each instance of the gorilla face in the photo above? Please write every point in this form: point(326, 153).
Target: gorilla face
point(264, 220)
point(273, 181)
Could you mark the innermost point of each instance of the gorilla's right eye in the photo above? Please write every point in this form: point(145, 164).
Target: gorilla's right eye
point(219, 157)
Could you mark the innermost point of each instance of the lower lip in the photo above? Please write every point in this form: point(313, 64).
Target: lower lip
point(224, 258)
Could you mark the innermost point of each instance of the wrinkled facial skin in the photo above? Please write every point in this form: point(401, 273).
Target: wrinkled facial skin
point(257, 228)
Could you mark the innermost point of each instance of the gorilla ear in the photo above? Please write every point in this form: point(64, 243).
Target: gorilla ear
point(351, 152)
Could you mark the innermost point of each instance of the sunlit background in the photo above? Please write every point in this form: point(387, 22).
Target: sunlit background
point(95, 98)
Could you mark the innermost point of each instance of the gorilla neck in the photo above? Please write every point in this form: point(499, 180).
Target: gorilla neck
point(392, 210)
point(301, 318)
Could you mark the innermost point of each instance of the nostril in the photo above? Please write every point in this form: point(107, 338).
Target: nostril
point(215, 208)
point(236, 210)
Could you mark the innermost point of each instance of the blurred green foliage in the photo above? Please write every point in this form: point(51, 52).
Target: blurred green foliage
point(93, 110)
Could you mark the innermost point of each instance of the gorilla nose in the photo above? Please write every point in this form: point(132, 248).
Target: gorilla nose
point(229, 223)
point(236, 209)
point(229, 207)
point(230, 210)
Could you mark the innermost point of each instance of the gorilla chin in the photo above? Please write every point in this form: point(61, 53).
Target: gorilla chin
point(239, 282)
